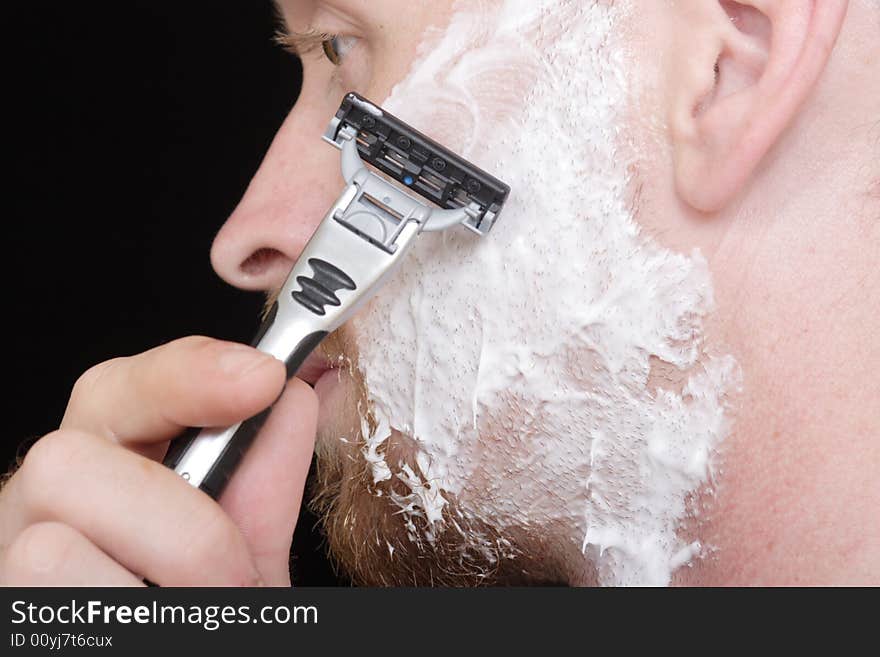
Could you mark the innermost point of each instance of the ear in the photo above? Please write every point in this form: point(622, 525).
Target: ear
point(741, 72)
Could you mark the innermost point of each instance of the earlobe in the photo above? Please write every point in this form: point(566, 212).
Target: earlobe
point(742, 72)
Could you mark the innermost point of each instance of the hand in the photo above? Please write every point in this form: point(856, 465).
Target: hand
point(92, 505)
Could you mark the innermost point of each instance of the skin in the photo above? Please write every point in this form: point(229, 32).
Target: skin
point(726, 162)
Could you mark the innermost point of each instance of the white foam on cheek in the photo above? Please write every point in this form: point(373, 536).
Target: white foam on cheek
point(519, 362)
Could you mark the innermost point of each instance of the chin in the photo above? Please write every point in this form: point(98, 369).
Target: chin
point(367, 536)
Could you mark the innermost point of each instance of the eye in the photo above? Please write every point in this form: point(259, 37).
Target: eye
point(336, 47)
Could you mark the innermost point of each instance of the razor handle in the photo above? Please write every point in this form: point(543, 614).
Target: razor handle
point(339, 269)
point(207, 458)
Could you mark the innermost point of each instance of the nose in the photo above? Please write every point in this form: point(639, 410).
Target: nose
point(296, 183)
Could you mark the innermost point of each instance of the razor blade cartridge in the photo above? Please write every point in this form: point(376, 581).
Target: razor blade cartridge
point(418, 163)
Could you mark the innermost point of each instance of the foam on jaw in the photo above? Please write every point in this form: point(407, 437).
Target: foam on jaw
point(520, 362)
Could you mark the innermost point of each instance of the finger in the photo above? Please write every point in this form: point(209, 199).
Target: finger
point(191, 382)
point(136, 510)
point(265, 493)
point(54, 554)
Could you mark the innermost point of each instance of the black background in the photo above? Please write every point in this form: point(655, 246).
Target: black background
point(132, 131)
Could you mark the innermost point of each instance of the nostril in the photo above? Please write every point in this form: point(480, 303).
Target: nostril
point(261, 261)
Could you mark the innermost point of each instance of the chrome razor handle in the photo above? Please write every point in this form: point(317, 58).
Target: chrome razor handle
point(339, 269)
point(207, 458)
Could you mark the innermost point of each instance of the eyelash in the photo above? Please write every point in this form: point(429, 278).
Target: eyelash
point(303, 43)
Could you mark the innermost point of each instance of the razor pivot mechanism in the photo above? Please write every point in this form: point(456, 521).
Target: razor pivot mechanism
point(356, 247)
point(417, 163)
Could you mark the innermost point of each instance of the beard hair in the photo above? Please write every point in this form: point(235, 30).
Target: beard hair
point(376, 543)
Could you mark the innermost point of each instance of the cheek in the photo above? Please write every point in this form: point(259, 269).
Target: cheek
point(467, 102)
point(520, 363)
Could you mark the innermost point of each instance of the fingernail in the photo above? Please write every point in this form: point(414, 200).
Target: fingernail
point(242, 360)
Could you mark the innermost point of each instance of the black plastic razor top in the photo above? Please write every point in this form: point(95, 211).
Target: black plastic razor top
point(419, 163)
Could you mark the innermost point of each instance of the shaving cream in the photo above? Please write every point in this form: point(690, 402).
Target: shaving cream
point(519, 363)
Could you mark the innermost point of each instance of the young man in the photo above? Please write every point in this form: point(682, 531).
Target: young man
point(665, 354)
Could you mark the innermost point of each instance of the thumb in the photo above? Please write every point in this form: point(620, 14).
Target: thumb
point(265, 493)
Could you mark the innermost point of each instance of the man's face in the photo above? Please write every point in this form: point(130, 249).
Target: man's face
point(547, 384)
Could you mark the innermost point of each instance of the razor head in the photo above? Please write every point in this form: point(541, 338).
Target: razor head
point(418, 163)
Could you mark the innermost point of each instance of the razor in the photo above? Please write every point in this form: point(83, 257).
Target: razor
point(412, 184)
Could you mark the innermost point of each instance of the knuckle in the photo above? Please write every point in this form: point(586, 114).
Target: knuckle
point(209, 533)
point(194, 353)
point(215, 542)
point(90, 382)
point(43, 469)
point(193, 343)
point(41, 549)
